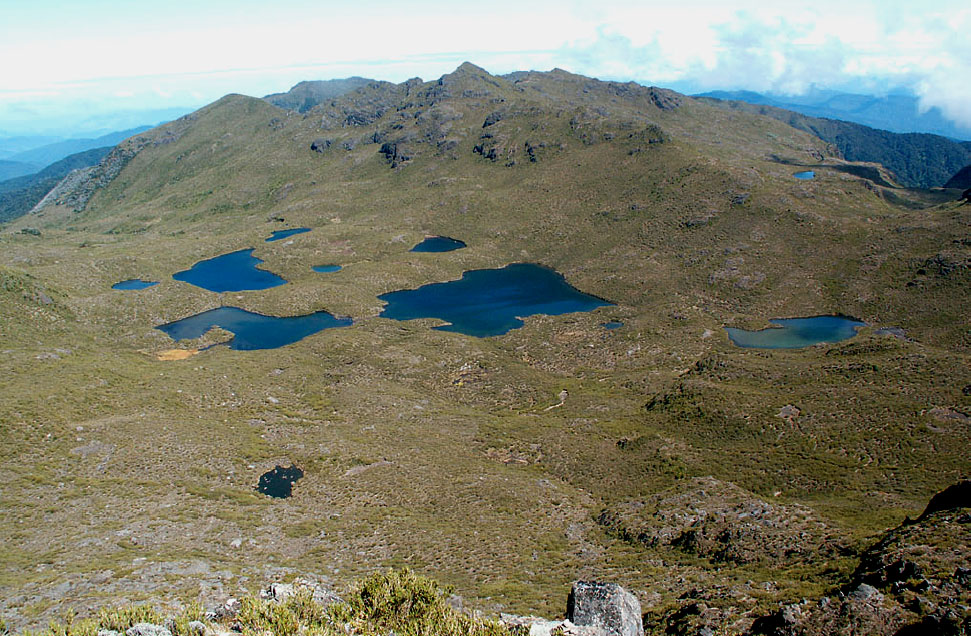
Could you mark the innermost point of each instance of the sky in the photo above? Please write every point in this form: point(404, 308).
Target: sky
point(84, 64)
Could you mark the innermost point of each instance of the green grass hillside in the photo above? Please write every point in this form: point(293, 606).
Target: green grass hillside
point(129, 478)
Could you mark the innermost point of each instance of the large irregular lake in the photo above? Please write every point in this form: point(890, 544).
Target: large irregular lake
point(490, 302)
point(279, 235)
point(231, 272)
point(795, 333)
point(438, 244)
point(134, 283)
point(251, 330)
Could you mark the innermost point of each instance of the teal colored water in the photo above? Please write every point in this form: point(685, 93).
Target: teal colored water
point(134, 283)
point(279, 481)
point(231, 272)
point(326, 269)
point(438, 244)
point(251, 330)
point(282, 234)
point(796, 333)
point(805, 175)
point(490, 302)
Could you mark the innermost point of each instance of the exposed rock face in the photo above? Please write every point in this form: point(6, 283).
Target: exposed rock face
point(720, 521)
point(606, 606)
point(77, 188)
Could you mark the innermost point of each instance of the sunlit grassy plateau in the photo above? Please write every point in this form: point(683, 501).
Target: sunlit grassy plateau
point(129, 478)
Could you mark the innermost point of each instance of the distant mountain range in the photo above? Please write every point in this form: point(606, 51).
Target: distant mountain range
point(896, 113)
point(10, 169)
point(49, 153)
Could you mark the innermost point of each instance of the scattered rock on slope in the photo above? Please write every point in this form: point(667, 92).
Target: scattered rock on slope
point(914, 580)
point(723, 522)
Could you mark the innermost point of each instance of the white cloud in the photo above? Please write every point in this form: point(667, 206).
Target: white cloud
point(124, 54)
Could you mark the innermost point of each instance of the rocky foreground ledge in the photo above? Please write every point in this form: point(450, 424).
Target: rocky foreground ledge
point(915, 580)
point(398, 603)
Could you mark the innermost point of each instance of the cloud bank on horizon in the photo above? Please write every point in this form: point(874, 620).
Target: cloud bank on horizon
point(84, 61)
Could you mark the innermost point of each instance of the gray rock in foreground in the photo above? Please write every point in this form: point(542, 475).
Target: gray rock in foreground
point(606, 606)
point(147, 629)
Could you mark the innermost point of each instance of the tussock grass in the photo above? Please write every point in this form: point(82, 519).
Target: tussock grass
point(397, 601)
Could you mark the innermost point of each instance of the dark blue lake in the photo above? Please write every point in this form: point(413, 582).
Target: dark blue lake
point(279, 235)
point(438, 244)
point(490, 302)
point(805, 175)
point(326, 269)
point(134, 283)
point(231, 272)
point(252, 330)
point(795, 333)
point(279, 481)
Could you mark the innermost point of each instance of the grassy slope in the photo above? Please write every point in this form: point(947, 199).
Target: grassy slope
point(121, 463)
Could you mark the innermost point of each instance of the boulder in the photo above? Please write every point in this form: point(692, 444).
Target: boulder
point(606, 606)
point(147, 629)
point(320, 145)
point(198, 628)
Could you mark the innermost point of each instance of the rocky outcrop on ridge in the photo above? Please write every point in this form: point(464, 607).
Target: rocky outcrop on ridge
point(305, 95)
point(408, 119)
point(915, 580)
point(722, 522)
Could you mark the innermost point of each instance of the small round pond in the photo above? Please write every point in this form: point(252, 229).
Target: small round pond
point(279, 235)
point(490, 302)
point(279, 481)
point(796, 333)
point(438, 244)
point(231, 272)
point(134, 283)
point(253, 331)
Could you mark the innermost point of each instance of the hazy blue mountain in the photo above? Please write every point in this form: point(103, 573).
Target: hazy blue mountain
point(48, 154)
point(10, 169)
point(11, 144)
point(896, 113)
